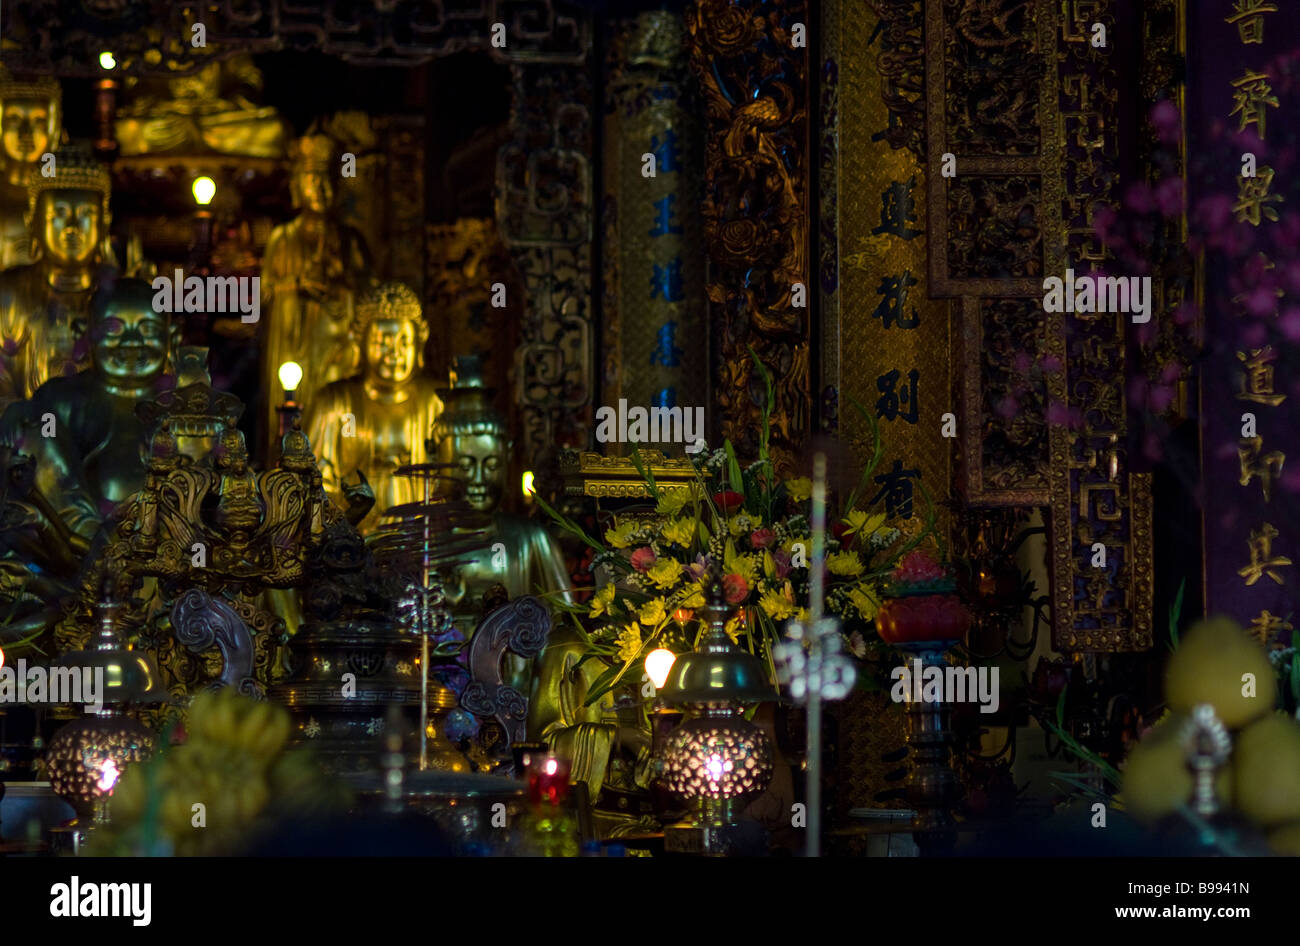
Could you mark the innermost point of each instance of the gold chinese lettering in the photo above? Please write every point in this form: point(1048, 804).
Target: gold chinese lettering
point(1251, 99)
point(1249, 17)
point(1262, 559)
point(1267, 627)
point(1257, 377)
point(1253, 197)
point(1266, 466)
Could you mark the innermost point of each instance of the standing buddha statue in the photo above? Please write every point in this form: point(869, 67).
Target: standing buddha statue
point(381, 419)
point(44, 305)
point(30, 124)
point(312, 268)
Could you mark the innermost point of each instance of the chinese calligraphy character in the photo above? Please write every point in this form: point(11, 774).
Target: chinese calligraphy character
point(892, 404)
point(1249, 17)
point(1267, 627)
point(665, 397)
point(666, 352)
point(666, 283)
point(1253, 194)
point(896, 489)
point(898, 209)
point(890, 310)
point(664, 212)
point(1257, 379)
point(1262, 559)
point(1252, 97)
point(1267, 466)
point(665, 151)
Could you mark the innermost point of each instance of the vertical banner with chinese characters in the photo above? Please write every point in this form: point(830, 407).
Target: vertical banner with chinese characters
point(656, 340)
point(1246, 205)
point(886, 341)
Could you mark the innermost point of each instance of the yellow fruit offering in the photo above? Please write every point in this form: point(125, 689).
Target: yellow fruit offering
point(1156, 778)
point(1210, 666)
point(1266, 770)
point(1286, 840)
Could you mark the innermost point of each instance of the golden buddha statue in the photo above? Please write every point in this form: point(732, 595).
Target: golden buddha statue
point(311, 271)
point(381, 419)
point(44, 305)
point(30, 123)
point(209, 110)
point(239, 505)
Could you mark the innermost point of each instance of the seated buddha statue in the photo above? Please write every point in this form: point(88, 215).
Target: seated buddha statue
point(89, 443)
point(30, 125)
point(311, 271)
point(44, 305)
point(380, 419)
point(516, 553)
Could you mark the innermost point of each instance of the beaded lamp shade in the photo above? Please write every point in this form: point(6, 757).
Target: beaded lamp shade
point(74, 169)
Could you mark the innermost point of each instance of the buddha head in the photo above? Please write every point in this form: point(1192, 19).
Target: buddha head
point(29, 117)
point(391, 329)
point(67, 213)
point(311, 184)
point(472, 436)
point(129, 341)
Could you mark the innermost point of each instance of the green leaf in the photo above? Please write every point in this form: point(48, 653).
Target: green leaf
point(768, 404)
point(603, 684)
point(1295, 676)
point(567, 524)
point(646, 475)
point(1175, 613)
point(877, 450)
point(733, 469)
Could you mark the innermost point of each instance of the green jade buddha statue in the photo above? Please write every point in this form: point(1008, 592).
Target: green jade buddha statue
point(516, 553)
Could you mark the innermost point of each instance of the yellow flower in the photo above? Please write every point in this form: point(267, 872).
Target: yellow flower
point(696, 597)
point(665, 572)
point(799, 488)
point(679, 532)
point(865, 600)
point(742, 565)
point(601, 601)
point(805, 546)
point(859, 521)
point(744, 523)
point(621, 536)
point(671, 501)
point(629, 643)
point(732, 628)
point(776, 606)
point(652, 612)
point(844, 563)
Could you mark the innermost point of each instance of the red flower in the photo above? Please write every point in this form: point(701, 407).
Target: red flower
point(736, 588)
point(729, 500)
point(643, 559)
point(762, 538)
point(918, 566)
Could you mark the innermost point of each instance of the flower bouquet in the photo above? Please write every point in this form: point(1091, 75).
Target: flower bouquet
point(754, 527)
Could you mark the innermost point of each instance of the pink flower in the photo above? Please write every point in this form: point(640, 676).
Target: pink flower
point(1169, 196)
point(1166, 121)
point(1138, 198)
point(1051, 364)
point(736, 588)
point(781, 559)
point(1289, 323)
point(762, 538)
point(918, 566)
point(1261, 301)
point(1161, 397)
point(643, 559)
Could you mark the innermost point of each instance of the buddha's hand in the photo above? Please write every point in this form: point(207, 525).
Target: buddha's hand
point(633, 739)
point(359, 497)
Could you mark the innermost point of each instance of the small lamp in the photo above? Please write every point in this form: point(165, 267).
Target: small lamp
point(717, 758)
point(86, 757)
point(290, 374)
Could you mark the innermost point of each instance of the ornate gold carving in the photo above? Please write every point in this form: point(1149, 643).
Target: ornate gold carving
point(756, 212)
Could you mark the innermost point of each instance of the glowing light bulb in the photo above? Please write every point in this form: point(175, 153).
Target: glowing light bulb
point(657, 664)
point(106, 60)
point(204, 188)
point(108, 775)
point(290, 375)
point(551, 766)
point(528, 483)
point(714, 768)
point(2, 658)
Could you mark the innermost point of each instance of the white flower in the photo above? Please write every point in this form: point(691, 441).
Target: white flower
point(312, 729)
